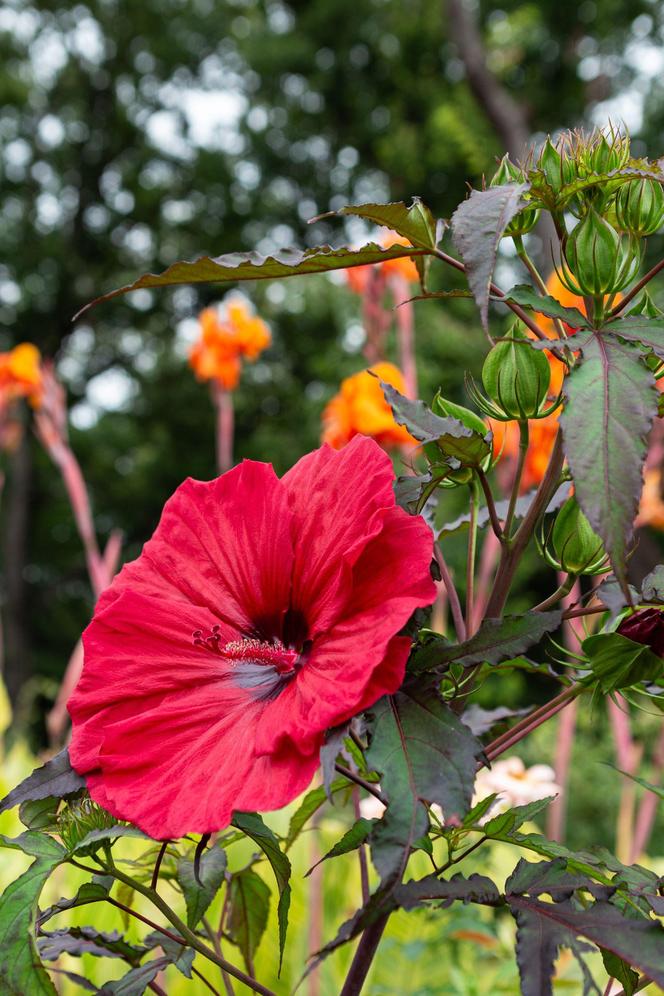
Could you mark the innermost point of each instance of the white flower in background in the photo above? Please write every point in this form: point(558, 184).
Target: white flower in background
point(371, 808)
point(515, 784)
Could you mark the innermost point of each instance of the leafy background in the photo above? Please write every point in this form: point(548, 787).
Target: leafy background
point(136, 134)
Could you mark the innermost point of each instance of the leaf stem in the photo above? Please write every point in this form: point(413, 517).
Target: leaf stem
point(636, 288)
point(452, 594)
point(560, 592)
point(497, 292)
point(353, 777)
point(216, 944)
point(472, 553)
point(539, 282)
point(187, 935)
point(490, 504)
point(460, 857)
point(157, 865)
point(362, 852)
point(520, 730)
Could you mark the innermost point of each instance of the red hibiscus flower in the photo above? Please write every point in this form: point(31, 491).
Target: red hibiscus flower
point(261, 613)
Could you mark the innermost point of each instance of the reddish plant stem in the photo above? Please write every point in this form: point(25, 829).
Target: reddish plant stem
point(452, 594)
point(577, 613)
point(364, 955)
point(353, 777)
point(490, 504)
point(520, 730)
point(556, 812)
point(628, 755)
point(488, 561)
point(223, 401)
point(204, 981)
point(620, 306)
point(157, 865)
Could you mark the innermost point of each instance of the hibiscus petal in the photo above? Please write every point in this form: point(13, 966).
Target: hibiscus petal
point(337, 499)
point(224, 545)
point(360, 658)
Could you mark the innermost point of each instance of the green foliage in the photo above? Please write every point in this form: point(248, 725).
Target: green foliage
point(199, 893)
point(248, 912)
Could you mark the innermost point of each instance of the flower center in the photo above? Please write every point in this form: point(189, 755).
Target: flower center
point(261, 666)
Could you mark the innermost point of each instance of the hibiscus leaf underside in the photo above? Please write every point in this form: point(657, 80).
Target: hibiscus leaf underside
point(414, 221)
point(424, 752)
point(478, 225)
point(236, 266)
point(642, 331)
point(77, 941)
point(522, 505)
point(56, 778)
point(136, 981)
point(611, 403)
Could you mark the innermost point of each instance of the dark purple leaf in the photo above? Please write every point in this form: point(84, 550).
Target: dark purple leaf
point(334, 741)
point(501, 639)
point(136, 981)
point(523, 504)
point(478, 225)
point(652, 586)
point(89, 892)
point(480, 721)
point(78, 941)
point(475, 889)
point(56, 778)
point(611, 403)
point(424, 752)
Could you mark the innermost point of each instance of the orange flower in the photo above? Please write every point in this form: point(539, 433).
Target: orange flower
point(542, 435)
point(360, 408)
point(403, 267)
point(651, 509)
point(20, 374)
point(225, 341)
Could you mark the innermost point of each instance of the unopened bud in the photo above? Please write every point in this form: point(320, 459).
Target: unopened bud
point(640, 207)
point(526, 219)
point(596, 260)
point(576, 548)
point(516, 377)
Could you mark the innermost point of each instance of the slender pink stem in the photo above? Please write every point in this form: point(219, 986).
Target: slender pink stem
point(488, 561)
point(452, 594)
point(405, 333)
point(225, 428)
point(647, 811)
point(628, 754)
point(566, 729)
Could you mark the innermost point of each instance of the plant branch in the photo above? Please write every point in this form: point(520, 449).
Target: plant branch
point(216, 944)
point(524, 438)
point(636, 289)
point(452, 594)
point(560, 592)
point(364, 955)
point(490, 504)
point(347, 773)
point(531, 722)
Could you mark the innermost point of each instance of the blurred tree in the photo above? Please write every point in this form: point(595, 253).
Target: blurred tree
point(134, 134)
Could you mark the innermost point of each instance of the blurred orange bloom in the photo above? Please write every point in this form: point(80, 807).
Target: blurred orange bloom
point(542, 435)
point(651, 509)
point(360, 408)
point(555, 288)
point(224, 341)
point(358, 276)
point(20, 374)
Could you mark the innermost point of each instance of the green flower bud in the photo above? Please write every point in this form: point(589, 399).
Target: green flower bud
point(640, 206)
point(550, 162)
point(596, 260)
point(526, 219)
point(576, 548)
point(81, 817)
point(516, 377)
point(603, 154)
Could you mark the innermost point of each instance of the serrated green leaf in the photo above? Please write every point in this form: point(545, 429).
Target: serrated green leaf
point(502, 826)
point(414, 222)
point(528, 297)
point(36, 844)
point(90, 892)
point(108, 833)
point(478, 225)
point(350, 841)
point(136, 981)
point(21, 972)
point(620, 971)
point(611, 403)
point(618, 662)
point(199, 895)
point(248, 912)
point(56, 778)
point(616, 176)
point(236, 266)
point(39, 814)
point(254, 827)
point(311, 803)
point(453, 438)
point(424, 752)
